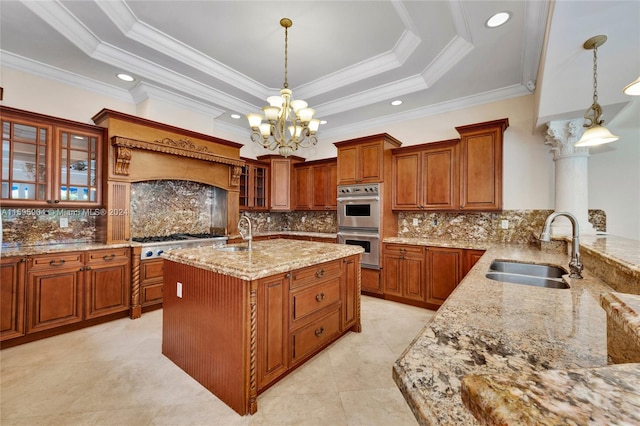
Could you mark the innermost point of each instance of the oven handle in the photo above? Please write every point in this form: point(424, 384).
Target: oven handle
point(365, 198)
point(358, 234)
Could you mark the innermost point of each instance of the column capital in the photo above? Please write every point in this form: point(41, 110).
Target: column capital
point(562, 135)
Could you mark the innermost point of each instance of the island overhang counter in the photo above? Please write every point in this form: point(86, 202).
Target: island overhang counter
point(238, 321)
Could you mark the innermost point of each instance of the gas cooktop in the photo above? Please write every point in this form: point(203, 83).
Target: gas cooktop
point(153, 247)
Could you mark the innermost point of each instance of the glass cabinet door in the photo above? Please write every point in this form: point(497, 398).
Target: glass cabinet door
point(244, 187)
point(77, 167)
point(259, 187)
point(24, 161)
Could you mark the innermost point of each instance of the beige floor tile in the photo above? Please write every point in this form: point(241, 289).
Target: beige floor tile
point(115, 374)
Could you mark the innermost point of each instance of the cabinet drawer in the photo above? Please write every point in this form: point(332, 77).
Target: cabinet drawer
point(403, 249)
point(51, 261)
point(308, 300)
point(315, 274)
point(151, 294)
point(108, 255)
point(313, 336)
point(151, 270)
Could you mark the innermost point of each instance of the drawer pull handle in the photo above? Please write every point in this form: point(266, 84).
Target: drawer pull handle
point(320, 273)
point(105, 257)
point(320, 297)
point(319, 331)
point(53, 262)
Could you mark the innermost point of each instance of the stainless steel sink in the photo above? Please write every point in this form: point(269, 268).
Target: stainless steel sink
point(233, 248)
point(527, 273)
point(526, 280)
point(510, 267)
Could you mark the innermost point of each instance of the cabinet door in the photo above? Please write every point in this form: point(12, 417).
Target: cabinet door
point(304, 188)
point(26, 170)
point(319, 179)
point(12, 297)
point(392, 279)
point(445, 269)
point(332, 187)
point(273, 295)
point(413, 277)
point(470, 259)
point(260, 193)
point(370, 163)
point(151, 282)
point(280, 184)
point(54, 298)
point(350, 291)
point(406, 181)
point(481, 165)
point(439, 179)
point(77, 174)
point(108, 282)
point(347, 163)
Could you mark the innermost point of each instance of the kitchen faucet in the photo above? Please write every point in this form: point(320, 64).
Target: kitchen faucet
point(250, 236)
point(575, 265)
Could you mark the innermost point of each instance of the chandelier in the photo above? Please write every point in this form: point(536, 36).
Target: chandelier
point(284, 113)
point(596, 133)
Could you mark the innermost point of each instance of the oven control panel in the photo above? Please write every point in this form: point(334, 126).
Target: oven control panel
point(359, 190)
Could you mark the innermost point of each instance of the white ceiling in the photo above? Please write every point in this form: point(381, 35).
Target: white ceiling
point(348, 59)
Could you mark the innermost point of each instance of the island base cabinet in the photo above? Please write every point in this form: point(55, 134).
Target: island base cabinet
point(273, 293)
point(206, 331)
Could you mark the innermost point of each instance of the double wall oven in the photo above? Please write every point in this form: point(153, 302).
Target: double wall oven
point(359, 211)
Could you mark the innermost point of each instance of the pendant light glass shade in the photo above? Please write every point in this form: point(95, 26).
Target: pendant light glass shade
point(596, 135)
point(632, 89)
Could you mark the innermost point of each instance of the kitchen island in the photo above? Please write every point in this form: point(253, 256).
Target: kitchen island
point(238, 321)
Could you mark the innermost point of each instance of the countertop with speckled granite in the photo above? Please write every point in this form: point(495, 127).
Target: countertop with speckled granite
point(268, 257)
point(588, 396)
point(59, 248)
point(491, 327)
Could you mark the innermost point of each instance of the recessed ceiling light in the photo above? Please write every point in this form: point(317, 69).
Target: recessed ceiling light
point(323, 121)
point(498, 19)
point(125, 77)
point(235, 116)
point(396, 102)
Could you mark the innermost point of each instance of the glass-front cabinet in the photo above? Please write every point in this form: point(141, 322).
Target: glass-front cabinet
point(49, 162)
point(254, 186)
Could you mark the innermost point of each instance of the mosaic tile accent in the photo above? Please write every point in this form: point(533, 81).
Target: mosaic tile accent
point(33, 227)
point(165, 207)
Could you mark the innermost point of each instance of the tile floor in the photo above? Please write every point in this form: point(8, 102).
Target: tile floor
point(115, 374)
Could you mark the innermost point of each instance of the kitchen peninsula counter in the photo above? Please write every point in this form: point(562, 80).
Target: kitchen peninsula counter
point(490, 327)
point(239, 321)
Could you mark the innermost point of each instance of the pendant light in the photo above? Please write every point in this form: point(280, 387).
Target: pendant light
point(596, 133)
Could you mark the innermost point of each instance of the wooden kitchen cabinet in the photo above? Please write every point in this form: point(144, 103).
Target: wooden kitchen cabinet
point(55, 290)
point(151, 283)
point(481, 165)
point(254, 186)
point(425, 177)
point(371, 281)
point(362, 160)
point(49, 161)
point(273, 329)
point(444, 272)
point(12, 297)
point(404, 272)
point(280, 177)
point(107, 282)
point(316, 185)
point(470, 259)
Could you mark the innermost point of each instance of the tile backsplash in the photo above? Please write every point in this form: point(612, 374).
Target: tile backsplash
point(169, 208)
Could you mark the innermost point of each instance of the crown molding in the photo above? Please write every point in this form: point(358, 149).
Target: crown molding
point(39, 69)
point(453, 53)
point(144, 91)
point(535, 20)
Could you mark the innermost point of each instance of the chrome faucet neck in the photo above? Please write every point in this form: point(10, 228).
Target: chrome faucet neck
point(575, 265)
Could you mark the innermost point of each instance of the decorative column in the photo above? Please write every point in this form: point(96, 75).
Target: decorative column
point(571, 168)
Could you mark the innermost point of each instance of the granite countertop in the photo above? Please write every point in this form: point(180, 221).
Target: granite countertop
point(267, 258)
point(490, 327)
point(59, 248)
point(596, 396)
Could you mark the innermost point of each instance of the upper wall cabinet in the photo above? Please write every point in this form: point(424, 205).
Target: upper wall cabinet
point(280, 176)
point(316, 185)
point(254, 186)
point(47, 161)
point(425, 177)
point(362, 160)
point(481, 165)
